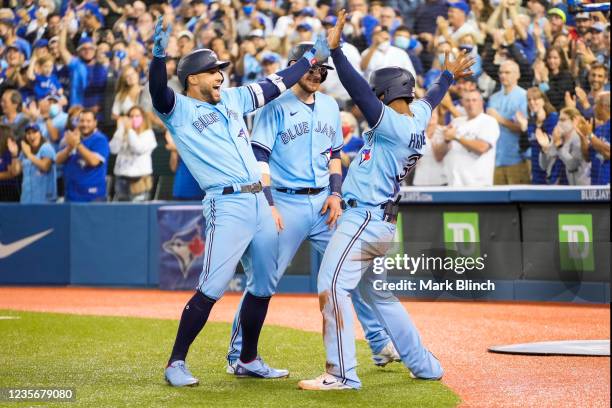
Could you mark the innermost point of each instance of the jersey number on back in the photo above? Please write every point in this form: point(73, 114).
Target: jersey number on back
point(412, 161)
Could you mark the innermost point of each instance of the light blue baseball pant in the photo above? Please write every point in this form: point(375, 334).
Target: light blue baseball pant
point(361, 236)
point(302, 220)
point(237, 225)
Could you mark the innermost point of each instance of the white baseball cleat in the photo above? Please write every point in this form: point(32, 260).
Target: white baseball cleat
point(231, 367)
point(387, 355)
point(178, 375)
point(324, 382)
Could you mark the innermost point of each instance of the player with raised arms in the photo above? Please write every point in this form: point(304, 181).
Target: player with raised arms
point(207, 125)
point(367, 228)
point(297, 140)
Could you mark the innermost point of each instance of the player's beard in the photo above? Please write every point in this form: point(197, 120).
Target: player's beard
point(309, 86)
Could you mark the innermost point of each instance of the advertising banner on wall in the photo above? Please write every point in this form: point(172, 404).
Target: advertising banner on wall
point(34, 244)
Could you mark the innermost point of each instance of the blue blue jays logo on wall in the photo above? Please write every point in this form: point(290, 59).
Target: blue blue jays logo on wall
point(186, 246)
point(366, 154)
point(327, 154)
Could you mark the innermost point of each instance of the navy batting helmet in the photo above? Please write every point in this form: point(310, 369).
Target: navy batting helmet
point(392, 83)
point(196, 62)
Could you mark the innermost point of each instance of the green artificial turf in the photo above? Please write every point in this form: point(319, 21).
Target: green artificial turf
point(115, 362)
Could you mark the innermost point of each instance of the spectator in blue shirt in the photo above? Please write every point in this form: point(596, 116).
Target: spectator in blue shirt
point(510, 167)
point(43, 78)
point(595, 143)
point(8, 34)
point(85, 160)
point(77, 66)
point(543, 117)
point(52, 119)
point(37, 164)
point(185, 187)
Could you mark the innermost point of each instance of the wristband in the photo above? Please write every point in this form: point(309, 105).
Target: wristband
point(335, 184)
point(268, 194)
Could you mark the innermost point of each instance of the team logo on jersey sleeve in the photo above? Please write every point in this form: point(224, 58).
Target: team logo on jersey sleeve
point(365, 155)
point(327, 154)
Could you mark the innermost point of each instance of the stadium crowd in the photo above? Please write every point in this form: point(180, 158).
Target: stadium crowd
point(77, 121)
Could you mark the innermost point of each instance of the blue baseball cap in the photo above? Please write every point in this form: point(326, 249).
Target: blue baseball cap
point(308, 11)
point(461, 5)
point(84, 41)
point(94, 11)
point(330, 20)
point(270, 58)
point(32, 126)
point(304, 26)
point(41, 43)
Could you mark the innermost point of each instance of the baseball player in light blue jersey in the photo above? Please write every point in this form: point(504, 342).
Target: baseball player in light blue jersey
point(392, 148)
point(297, 140)
point(208, 129)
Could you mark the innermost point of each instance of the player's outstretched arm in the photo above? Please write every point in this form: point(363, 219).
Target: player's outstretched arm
point(272, 86)
point(452, 70)
point(161, 95)
point(357, 87)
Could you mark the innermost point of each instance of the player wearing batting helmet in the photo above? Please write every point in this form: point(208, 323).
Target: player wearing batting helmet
point(297, 140)
point(197, 62)
point(392, 148)
point(208, 129)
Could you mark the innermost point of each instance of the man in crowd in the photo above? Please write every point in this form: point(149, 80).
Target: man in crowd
point(85, 160)
point(469, 145)
point(510, 165)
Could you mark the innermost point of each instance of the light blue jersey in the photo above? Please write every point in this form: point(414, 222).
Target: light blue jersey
point(281, 128)
point(392, 148)
point(301, 140)
point(213, 140)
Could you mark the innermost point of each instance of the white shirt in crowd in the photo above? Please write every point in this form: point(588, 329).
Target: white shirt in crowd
point(121, 108)
point(464, 167)
point(388, 56)
point(429, 171)
point(133, 152)
point(332, 85)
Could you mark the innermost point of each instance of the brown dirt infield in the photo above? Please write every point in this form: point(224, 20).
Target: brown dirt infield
point(457, 332)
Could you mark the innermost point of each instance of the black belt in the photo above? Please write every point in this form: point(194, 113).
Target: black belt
point(247, 188)
point(391, 209)
point(306, 191)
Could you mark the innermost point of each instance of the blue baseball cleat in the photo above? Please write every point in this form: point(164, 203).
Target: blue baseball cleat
point(258, 369)
point(178, 375)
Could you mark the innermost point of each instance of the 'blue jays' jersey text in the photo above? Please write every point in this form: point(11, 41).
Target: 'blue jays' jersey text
point(391, 150)
point(213, 140)
point(299, 138)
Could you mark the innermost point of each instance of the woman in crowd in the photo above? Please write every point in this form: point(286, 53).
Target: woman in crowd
point(128, 92)
point(543, 117)
point(565, 145)
point(133, 143)
point(554, 78)
point(37, 164)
